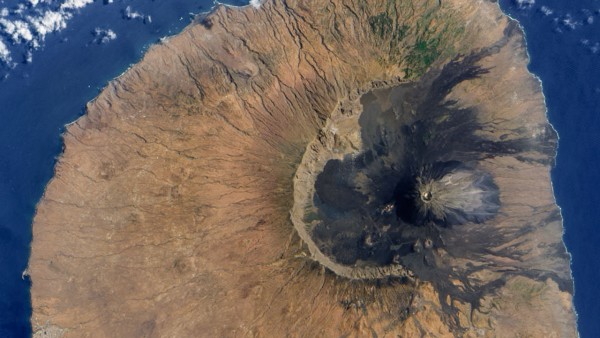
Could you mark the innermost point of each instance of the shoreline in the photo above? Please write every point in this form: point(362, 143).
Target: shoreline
point(144, 49)
point(68, 163)
point(541, 83)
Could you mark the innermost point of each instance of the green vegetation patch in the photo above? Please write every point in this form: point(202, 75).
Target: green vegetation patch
point(415, 35)
point(385, 28)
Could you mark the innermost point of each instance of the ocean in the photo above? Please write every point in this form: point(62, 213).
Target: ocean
point(563, 40)
point(49, 77)
point(39, 96)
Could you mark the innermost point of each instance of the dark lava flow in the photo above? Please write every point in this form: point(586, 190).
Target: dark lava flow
point(417, 195)
point(417, 176)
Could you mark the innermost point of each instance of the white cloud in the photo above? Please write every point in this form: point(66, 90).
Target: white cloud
point(20, 9)
point(4, 54)
point(75, 4)
point(103, 36)
point(131, 14)
point(589, 16)
point(29, 56)
point(27, 24)
point(255, 3)
point(546, 10)
point(111, 35)
point(17, 30)
point(525, 4)
point(50, 22)
point(569, 22)
point(31, 24)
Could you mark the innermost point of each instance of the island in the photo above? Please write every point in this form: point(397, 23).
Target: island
point(343, 168)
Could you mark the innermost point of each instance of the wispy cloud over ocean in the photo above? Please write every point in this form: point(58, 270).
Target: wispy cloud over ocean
point(4, 53)
point(28, 23)
point(102, 36)
point(24, 26)
point(565, 20)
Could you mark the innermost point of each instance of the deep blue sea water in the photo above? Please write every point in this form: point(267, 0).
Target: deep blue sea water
point(37, 99)
point(565, 53)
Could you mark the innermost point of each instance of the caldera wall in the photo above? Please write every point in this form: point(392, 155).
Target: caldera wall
point(169, 211)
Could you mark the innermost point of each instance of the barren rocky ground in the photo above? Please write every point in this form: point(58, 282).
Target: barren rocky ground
point(179, 205)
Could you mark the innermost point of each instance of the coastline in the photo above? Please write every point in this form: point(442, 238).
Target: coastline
point(525, 37)
point(166, 41)
point(92, 90)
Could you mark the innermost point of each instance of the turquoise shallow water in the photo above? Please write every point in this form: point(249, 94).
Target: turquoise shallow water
point(38, 99)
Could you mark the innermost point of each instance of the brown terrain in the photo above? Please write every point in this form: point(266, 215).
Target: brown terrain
point(183, 204)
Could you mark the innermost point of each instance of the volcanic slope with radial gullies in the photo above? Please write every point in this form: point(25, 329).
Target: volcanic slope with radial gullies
point(311, 169)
